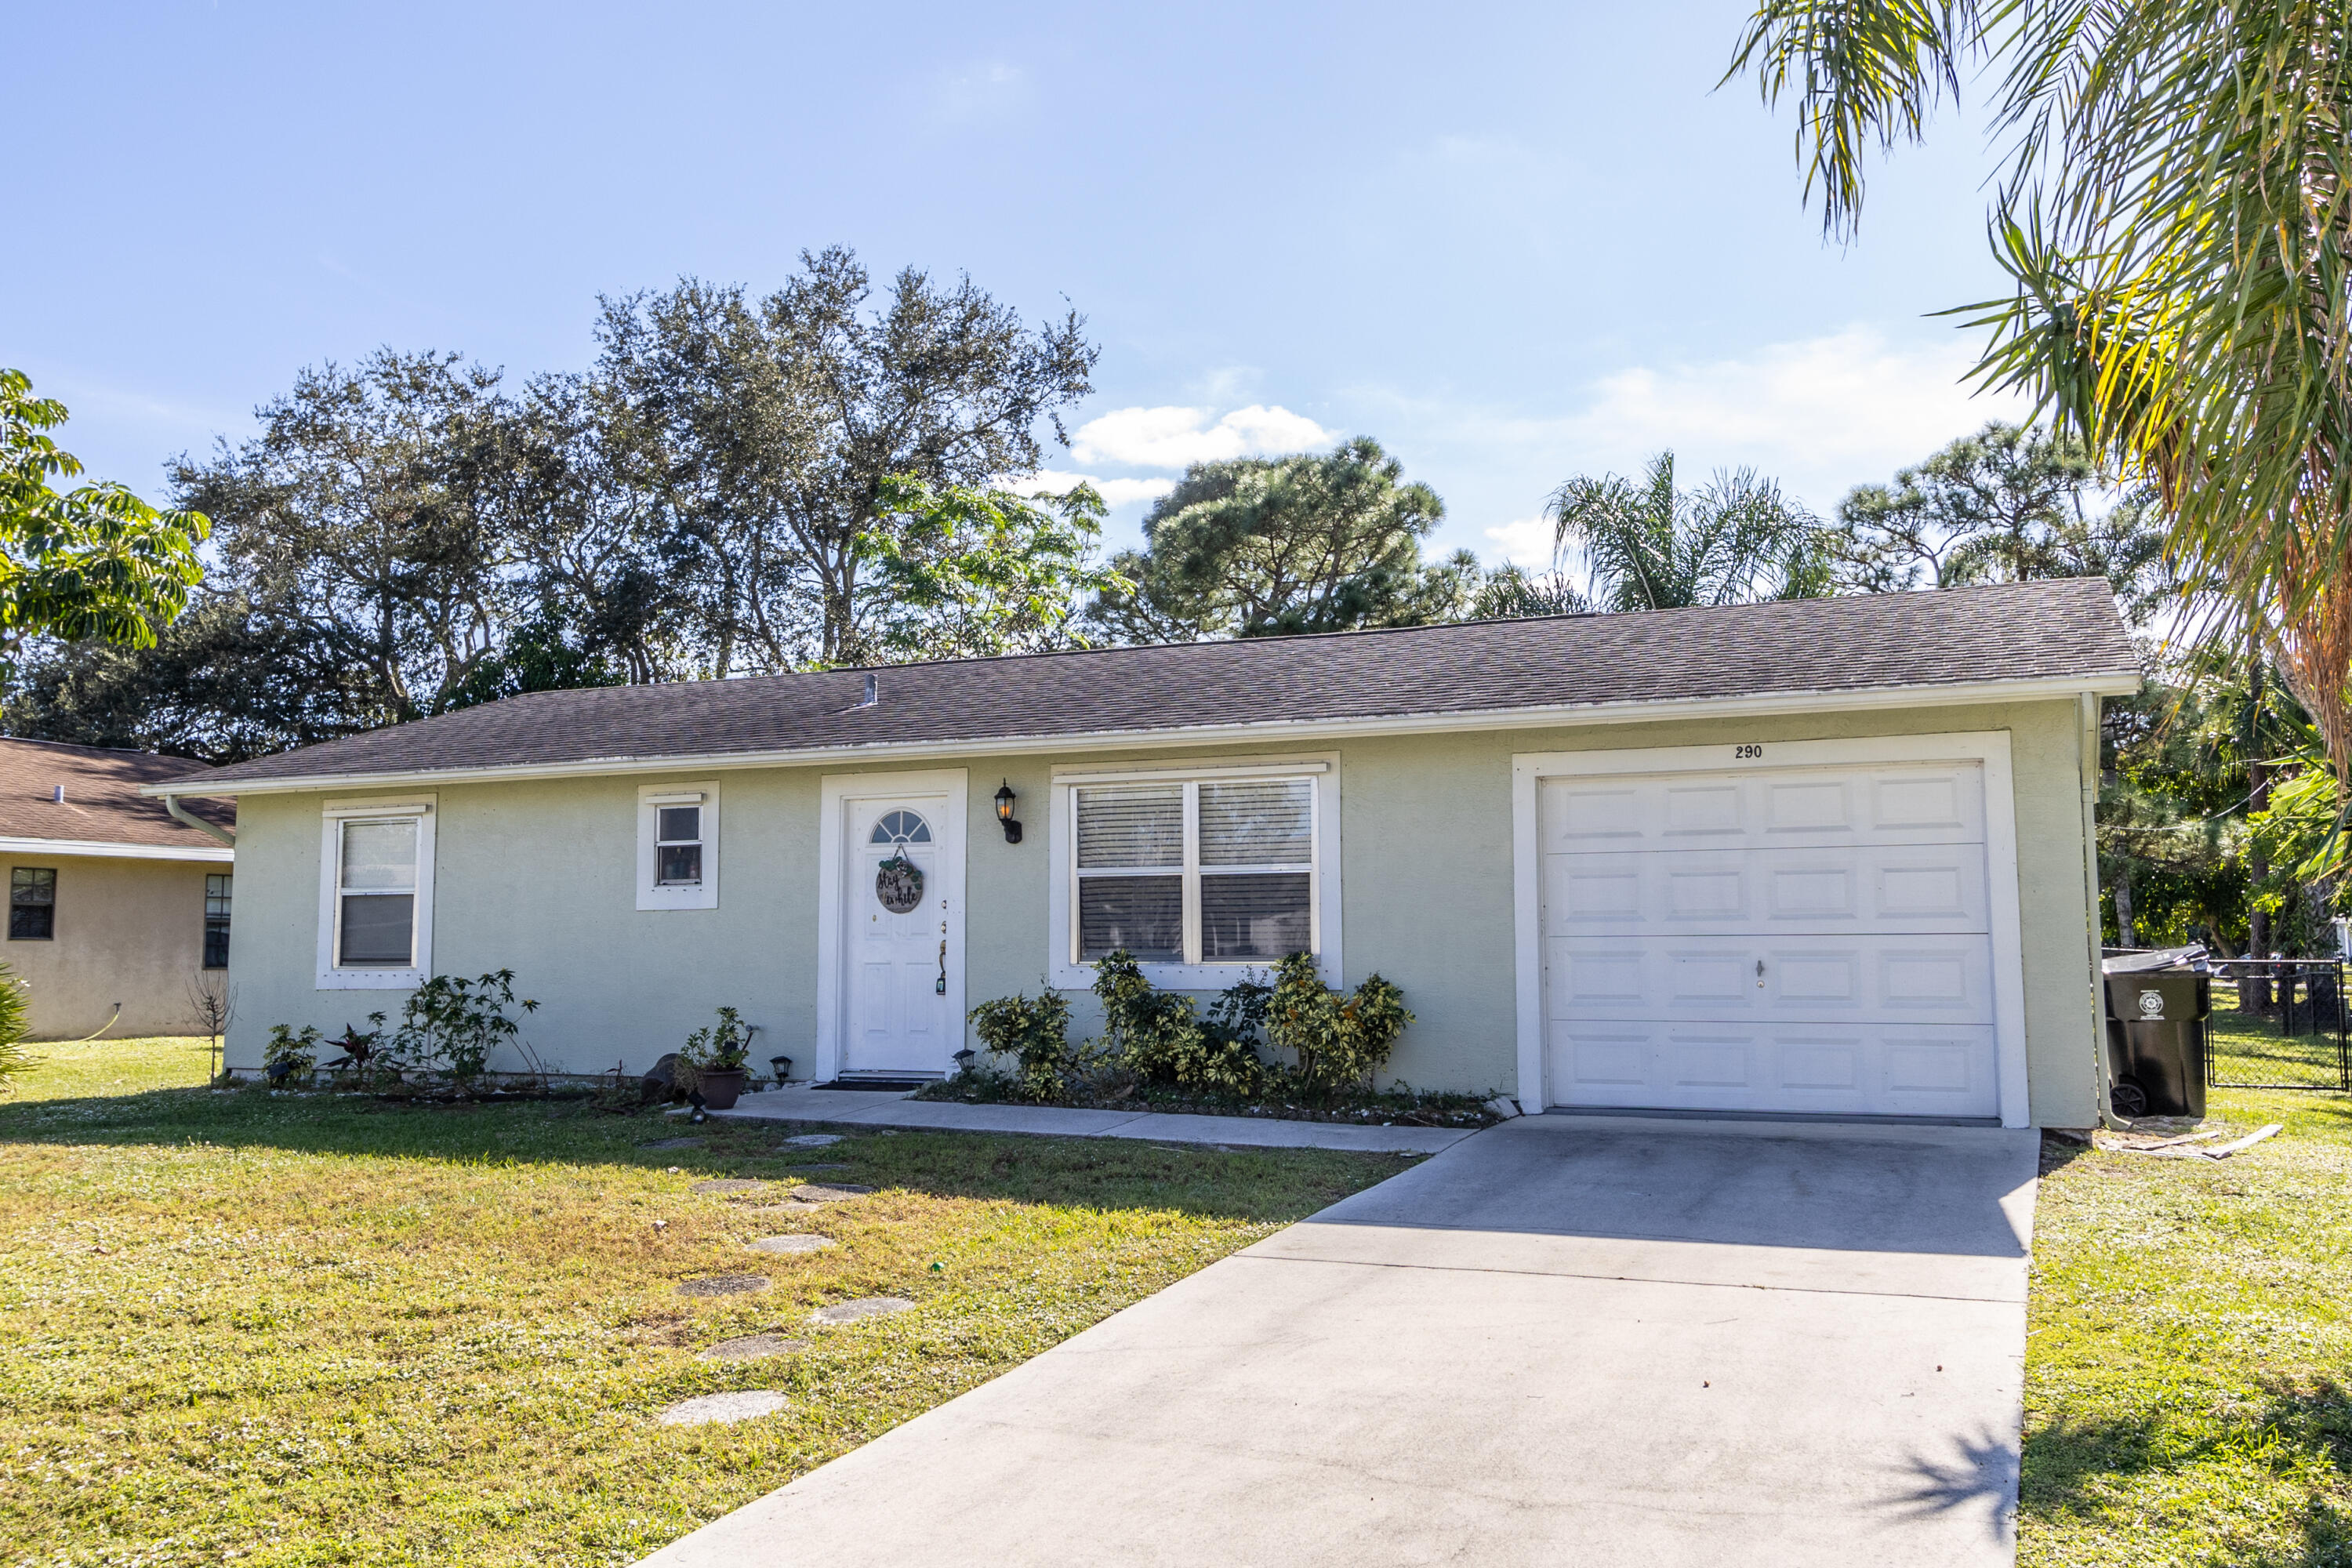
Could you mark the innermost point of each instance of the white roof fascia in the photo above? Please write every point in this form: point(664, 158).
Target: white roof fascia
point(2117, 683)
point(116, 851)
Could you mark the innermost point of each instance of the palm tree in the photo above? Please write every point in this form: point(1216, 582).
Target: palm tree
point(2175, 216)
point(1649, 546)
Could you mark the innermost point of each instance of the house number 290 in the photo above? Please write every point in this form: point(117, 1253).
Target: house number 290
point(1747, 753)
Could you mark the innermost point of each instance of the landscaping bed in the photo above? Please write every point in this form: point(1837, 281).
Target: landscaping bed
point(1398, 1107)
point(2189, 1363)
point(282, 1327)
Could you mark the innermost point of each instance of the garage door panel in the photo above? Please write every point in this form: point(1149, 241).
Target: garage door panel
point(1893, 804)
point(1887, 979)
point(1839, 1069)
point(1902, 887)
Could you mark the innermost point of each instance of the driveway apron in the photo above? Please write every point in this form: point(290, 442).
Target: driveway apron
point(1589, 1340)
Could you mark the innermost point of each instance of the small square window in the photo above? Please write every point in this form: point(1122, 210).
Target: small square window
point(32, 904)
point(677, 849)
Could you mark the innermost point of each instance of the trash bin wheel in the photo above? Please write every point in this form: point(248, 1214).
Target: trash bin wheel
point(2127, 1100)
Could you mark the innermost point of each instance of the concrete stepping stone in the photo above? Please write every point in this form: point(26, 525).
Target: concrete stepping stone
point(722, 1285)
point(828, 1193)
point(813, 1141)
point(752, 1347)
point(705, 1409)
point(864, 1306)
point(673, 1143)
point(789, 1244)
point(728, 1184)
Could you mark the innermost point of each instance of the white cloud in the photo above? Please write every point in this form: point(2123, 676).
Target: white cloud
point(1116, 492)
point(1821, 415)
point(1524, 543)
point(1170, 437)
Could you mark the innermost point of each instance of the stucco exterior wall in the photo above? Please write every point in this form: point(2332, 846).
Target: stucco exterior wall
point(538, 877)
point(128, 931)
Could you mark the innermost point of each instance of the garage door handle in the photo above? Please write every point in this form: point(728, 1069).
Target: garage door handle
point(1759, 973)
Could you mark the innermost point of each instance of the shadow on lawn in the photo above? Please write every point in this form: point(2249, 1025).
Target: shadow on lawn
point(1255, 1185)
point(2301, 1424)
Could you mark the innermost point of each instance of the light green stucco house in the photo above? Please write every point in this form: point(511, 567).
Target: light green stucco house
point(1826, 857)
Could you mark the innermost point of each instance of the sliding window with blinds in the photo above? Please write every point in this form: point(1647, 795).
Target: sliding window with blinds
point(1196, 871)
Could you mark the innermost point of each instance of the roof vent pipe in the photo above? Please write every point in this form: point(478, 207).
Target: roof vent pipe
point(873, 689)
point(58, 793)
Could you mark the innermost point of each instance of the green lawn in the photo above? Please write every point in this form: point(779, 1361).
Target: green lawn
point(242, 1327)
point(2188, 1349)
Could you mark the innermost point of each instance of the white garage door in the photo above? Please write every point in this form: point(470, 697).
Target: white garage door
point(1811, 940)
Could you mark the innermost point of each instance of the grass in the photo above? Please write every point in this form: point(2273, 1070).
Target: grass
point(2190, 1351)
point(263, 1329)
point(2248, 1049)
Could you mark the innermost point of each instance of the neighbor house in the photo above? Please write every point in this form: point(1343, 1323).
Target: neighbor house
point(1827, 856)
point(115, 905)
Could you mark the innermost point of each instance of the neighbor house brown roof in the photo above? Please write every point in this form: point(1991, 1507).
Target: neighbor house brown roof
point(103, 804)
point(2034, 632)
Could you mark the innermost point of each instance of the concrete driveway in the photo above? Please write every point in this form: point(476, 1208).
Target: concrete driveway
point(1564, 1340)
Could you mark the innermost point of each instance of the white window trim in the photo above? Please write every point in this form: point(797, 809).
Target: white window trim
point(1062, 965)
point(651, 895)
point(331, 819)
point(1988, 747)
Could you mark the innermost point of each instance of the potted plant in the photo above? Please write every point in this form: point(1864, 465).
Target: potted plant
point(714, 1058)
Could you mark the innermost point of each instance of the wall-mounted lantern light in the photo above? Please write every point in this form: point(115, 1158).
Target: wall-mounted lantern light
point(1004, 812)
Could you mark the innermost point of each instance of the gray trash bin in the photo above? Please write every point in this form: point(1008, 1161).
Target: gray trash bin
point(2156, 1035)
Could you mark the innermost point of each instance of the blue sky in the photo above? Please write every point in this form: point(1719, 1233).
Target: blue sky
point(1513, 242)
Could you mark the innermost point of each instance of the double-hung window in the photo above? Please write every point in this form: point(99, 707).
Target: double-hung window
point(1194, 871)
point(33, 903)
point(376, 897)
point(678, 846)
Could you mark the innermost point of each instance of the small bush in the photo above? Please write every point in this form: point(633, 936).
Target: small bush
point(1036, 1033)
point(1338, 1041)
point(452, 1026)
point(1160, 1038)
point(13, 1057)
point(290, 1055)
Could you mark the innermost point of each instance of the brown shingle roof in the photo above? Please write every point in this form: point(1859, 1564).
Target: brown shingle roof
point(103, 804)
point(2067, 629)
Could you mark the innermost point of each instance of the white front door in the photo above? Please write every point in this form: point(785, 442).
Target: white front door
point(900, 904)
point(1802, 940)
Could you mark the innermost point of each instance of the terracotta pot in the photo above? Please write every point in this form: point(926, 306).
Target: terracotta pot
point(720, 1086)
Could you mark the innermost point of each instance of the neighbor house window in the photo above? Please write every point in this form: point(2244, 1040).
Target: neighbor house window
point(677, 847)
point(1191, 871)
point(32, 904)
point(216, 897)
point(375, 919)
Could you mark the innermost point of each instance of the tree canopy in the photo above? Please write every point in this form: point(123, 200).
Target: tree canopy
point(94, 563)
point(1652, 546)
point(1257, 546)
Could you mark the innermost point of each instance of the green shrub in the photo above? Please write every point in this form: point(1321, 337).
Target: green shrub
point(1159, 1037)
point(1036, 1033)
point(1338, 1041)
point(13, 1057)
point(452, 1026)
point(290, 1055)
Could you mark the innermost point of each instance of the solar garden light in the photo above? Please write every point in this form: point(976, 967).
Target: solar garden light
point(782, 1067)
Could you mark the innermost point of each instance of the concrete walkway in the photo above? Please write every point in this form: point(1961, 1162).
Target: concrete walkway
point(876, 1108)
point(1563, 1341)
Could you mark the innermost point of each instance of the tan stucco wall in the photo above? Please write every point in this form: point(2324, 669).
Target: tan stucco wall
point(539, 877)
point(127, 930)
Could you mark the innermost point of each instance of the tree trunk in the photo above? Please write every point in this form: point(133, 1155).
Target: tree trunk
point(2125, 935)
point(2255, 994)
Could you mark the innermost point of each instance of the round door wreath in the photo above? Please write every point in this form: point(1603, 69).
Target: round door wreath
point(898, 884)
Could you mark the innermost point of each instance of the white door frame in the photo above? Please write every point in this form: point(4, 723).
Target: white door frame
point(835, 794)
point(1989, 747)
